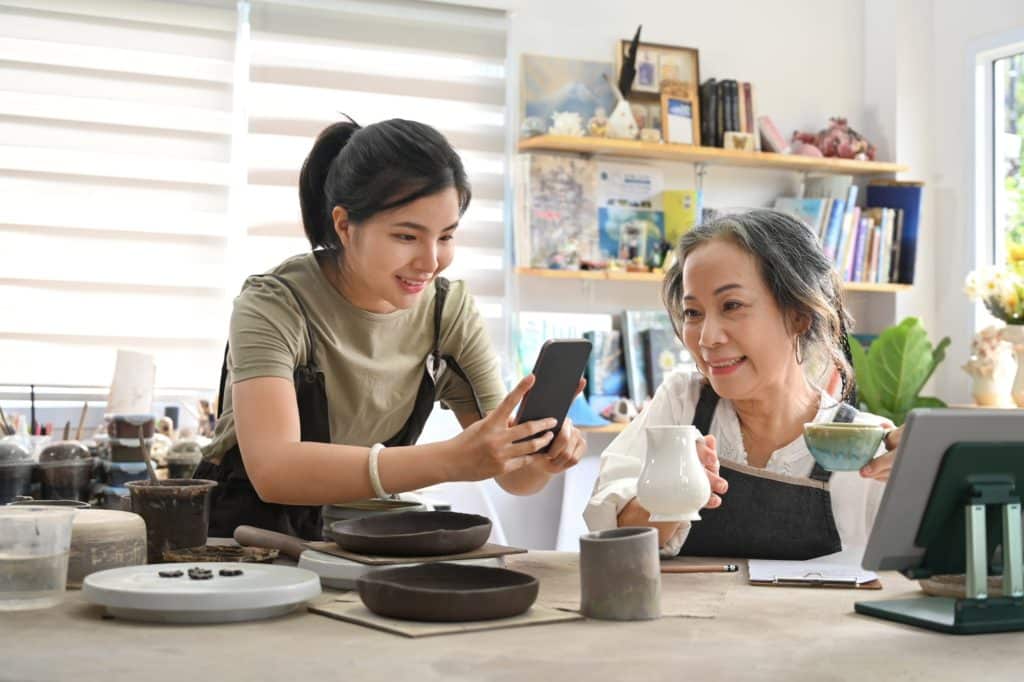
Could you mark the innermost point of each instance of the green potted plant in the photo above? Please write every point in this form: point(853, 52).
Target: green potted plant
point(897, 365)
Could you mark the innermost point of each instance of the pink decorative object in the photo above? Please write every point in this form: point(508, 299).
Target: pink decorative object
point(838, 140)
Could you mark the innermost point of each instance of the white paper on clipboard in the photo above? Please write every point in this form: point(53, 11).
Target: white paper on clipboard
point(841, 567)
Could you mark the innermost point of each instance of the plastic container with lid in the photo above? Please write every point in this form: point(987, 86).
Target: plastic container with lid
point(66, 469)
point(16, 468)
point(34, 549)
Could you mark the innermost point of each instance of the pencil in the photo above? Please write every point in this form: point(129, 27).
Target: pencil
point(697, 568)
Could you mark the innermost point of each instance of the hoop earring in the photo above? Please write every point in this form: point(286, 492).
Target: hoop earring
point(799, 355)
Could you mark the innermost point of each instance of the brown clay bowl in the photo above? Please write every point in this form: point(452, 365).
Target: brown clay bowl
point(412, 534)
point(447, 592)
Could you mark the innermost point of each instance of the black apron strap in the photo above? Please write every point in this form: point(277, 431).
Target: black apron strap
point(441, 286)
point(310, 339)
point(705, 410)
point(234, 501)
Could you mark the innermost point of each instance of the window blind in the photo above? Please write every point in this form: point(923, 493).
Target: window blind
point(442, 65)
point(149, 155)
point(115, 133)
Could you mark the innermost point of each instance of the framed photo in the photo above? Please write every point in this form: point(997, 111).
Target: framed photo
point(680, 119)
point(656, 63)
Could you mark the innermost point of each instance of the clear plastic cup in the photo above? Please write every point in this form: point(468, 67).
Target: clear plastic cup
point(34, 547)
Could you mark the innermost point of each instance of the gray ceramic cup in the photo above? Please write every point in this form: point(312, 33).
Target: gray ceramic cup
point(620, 574)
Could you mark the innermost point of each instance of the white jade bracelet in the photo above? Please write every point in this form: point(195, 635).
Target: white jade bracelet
point(378, 489)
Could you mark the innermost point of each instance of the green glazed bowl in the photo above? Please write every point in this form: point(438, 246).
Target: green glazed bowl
point(843, 447)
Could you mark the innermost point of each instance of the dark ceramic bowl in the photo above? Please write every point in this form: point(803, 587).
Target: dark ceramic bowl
point(118, 474)
point(412, 534)
point(843, 447)
point(127, 425)
point(447, 592)
point(362, 508)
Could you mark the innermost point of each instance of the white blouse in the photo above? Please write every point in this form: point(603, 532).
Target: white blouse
point(854, 499)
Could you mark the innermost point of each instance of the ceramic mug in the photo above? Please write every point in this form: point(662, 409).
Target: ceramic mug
point(620, 574)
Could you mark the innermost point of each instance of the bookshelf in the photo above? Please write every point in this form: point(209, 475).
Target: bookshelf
point(710, 156)
point(622, 276)
point(541, 288)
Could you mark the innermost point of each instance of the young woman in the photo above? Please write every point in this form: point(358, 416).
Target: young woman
point(759, 307)
point(336, 357)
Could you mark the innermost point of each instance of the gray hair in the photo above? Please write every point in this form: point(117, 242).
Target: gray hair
point(798, 274)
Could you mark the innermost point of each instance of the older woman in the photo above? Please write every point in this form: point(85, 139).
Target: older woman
point(760, 308)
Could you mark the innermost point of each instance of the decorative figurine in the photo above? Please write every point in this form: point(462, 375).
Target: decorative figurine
point(838, 140)
point(597, 126)
point(566, 123)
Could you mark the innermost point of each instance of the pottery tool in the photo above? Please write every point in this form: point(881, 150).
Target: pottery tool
point(335, 572)
point(697, 568)
point(146, 457)
point(81, 421)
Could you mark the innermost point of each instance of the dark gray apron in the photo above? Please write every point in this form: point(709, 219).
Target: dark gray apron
point(765, 515)
point(234, 502)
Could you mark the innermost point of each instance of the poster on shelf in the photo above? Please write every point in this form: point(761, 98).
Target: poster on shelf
point(630, 216)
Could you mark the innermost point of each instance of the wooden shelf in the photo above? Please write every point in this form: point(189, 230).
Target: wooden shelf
point(872, 287)
point(607, 428)
point(707, 155)
point(613, 275)
point(622, 276)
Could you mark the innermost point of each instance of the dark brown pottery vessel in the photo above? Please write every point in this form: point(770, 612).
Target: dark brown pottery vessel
point(447, 592)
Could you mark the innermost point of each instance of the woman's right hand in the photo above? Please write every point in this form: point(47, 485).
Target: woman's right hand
point(487, 447)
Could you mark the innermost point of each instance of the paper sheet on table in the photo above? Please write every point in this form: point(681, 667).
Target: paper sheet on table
point(841, 567)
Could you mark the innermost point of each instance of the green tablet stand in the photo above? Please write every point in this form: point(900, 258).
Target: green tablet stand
point(972, 525)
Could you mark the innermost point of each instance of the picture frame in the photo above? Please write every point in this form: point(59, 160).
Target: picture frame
point(657, 62)
point(680, 118)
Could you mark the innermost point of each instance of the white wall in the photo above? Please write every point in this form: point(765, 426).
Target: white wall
point(803, 70)
point(958, 29)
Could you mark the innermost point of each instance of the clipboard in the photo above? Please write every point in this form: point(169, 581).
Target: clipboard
point(825, 572)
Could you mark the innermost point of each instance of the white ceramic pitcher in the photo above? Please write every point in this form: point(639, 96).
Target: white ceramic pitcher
point(673, 484)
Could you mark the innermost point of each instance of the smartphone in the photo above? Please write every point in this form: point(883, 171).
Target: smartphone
point(558, 369)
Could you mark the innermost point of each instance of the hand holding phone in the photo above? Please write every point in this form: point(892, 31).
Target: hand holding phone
point(558, 371)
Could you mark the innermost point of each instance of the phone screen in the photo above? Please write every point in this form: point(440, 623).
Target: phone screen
point(558, 369)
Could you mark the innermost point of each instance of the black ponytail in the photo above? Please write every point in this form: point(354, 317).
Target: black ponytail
point(368, 170)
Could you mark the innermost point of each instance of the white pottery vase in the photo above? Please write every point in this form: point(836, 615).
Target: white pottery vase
point(1014, 333)
point(985, 390)
point(673, 484)
point(622, 124)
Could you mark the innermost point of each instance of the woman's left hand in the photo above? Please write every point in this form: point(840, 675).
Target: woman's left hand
point(880, 467)
point(565, 450)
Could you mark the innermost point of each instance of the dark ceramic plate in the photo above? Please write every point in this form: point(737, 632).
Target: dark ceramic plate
point(412, 534)
point(447, 592)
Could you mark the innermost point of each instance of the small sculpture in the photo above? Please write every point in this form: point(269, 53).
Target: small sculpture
point(622, 125)
point(566, 123)
point(597, 126)
point(532, 126)
point(838, 140)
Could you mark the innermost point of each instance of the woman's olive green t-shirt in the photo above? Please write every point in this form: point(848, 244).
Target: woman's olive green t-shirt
point(372, 362)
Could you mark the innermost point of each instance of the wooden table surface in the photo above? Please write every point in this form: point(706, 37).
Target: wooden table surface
point(756, 633)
